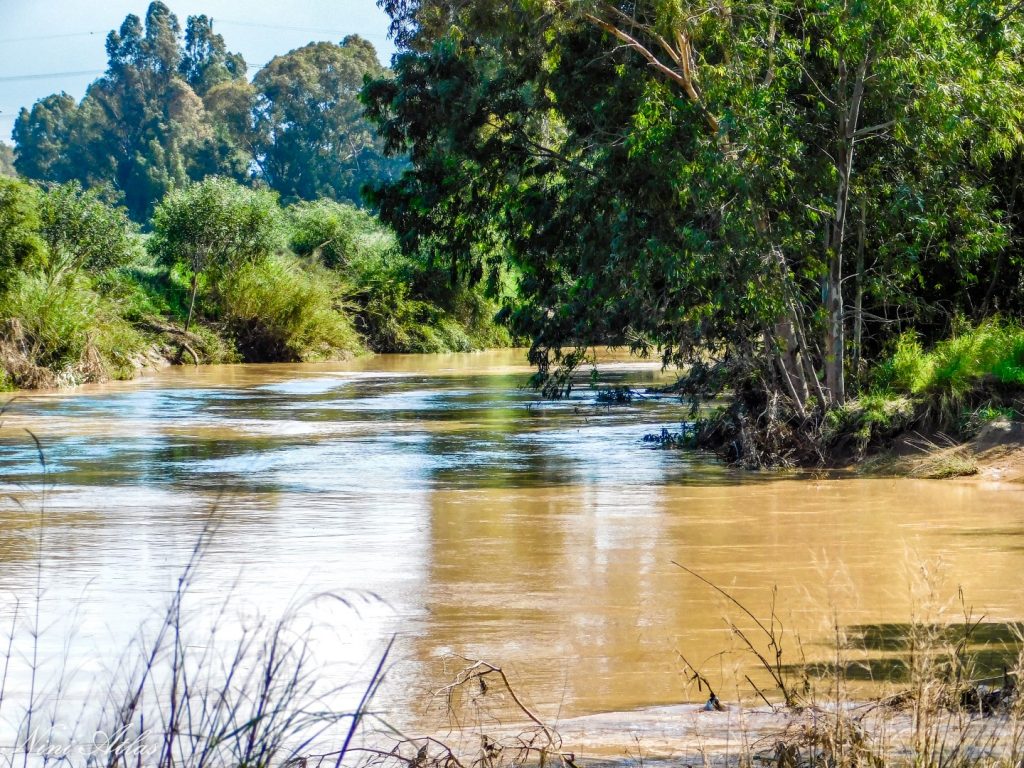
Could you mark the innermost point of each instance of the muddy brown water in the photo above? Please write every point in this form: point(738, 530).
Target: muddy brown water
point(472, 519)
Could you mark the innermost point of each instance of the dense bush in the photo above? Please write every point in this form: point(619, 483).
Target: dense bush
point(986, 357)
point(401, 303)
point(64, 333)
point(327, 231)
point(226, 274)
point(20, 243)
point(280, 309)
point(83, 233)
point(212, 228)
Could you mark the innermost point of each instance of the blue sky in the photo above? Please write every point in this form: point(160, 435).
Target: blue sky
point(47, 46)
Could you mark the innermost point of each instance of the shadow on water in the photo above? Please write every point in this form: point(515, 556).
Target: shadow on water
point(987, 649)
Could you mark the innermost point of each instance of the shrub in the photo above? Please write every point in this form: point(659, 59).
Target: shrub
point(214, 227)
point(328, 231)
point(279, 310)
point(64, 333)
point(84, 233)
point(960, 372)
point(20, 244)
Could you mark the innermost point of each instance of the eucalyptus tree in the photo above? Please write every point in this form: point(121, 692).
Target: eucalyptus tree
point(683, 175)
point(311, 138)
point(142, 128)
point(204, 60)
point(7, 160)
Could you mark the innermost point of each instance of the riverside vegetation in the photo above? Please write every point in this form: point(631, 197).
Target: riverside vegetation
point(180, 212)
point(813, 210)
point(789, 201)
point(226, 274)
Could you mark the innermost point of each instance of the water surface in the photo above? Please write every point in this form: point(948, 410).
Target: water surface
point(490, 524)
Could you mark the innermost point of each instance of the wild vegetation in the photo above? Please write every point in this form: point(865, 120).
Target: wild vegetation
point(768, 195)
point(226, 274)
point(180, 212)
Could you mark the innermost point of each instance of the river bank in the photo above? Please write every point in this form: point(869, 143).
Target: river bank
point(994, 455)
point(855, 733)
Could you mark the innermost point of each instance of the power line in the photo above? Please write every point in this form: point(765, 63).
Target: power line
point(45, 75)
point(50, 37)
point(321, 30)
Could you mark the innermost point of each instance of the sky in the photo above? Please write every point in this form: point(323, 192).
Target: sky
point(48, 46)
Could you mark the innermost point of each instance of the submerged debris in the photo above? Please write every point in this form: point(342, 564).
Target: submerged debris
point(686, 437)
point(982, 699)
point(615, 396)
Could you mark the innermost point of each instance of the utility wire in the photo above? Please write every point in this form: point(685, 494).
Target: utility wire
point(45, 75)
point(50, 37)
point(342, 32)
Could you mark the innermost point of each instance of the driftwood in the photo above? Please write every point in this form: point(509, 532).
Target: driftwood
point(182, 336)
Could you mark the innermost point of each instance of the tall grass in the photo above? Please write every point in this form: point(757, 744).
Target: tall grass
point(978, 361)
point(64, 333)
point(280, 309)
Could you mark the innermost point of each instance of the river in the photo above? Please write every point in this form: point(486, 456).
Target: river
point(456, 509)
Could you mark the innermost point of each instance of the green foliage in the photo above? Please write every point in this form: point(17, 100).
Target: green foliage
point(215, 226)
point(280, 309)
point(142, 128)
point(401, 306)
point(311, 139)
point(175, 106)
point(82, 232)
point(82, 301)
point(979, 365)
point(716, 184)
point(989, 353)
point(7, 160)
point(907, 370)
point(204, 61)
point(65, 333)
point(867, 421)
point(20, 244)
point(327, 231)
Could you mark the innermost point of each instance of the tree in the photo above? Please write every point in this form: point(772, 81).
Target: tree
point(7, 161)
point(205, 60)
point(212, 227)
point(43, 136)
point(681, 177)
point(20, 244)
point(311, 137)
point(82, 232)
point(142, 128)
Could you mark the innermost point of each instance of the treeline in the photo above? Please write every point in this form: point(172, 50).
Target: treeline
point(785, 199)
point(176, 106)
point(225, 274)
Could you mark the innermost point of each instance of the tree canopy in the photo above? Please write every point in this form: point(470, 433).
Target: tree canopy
point(311, 139)
point(761, 192)
point(175, 106)
point(213, 227)
point(7, 160)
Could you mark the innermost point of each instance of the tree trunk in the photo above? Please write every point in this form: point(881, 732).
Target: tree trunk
point(835, 341)
point(192, 301)
point(858, 302)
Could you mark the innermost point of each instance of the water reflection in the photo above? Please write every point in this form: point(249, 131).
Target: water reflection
point(536, 535)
